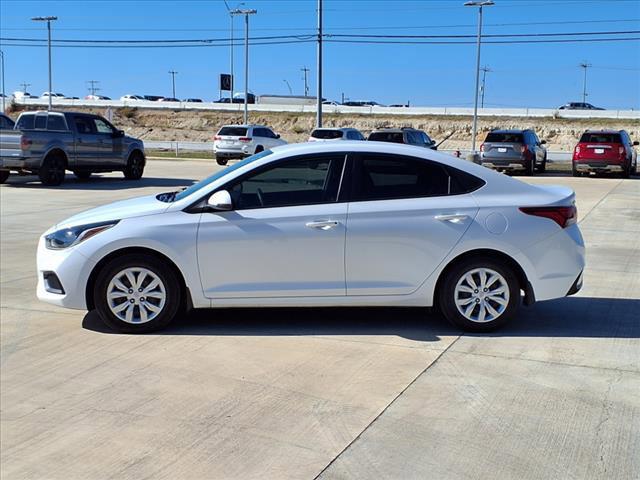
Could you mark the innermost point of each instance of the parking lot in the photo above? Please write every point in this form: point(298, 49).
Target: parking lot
point(328, 393)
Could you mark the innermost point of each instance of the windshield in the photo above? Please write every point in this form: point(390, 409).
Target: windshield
point(209, 180)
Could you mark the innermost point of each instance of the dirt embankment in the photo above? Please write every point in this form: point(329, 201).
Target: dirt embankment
point(196, 126)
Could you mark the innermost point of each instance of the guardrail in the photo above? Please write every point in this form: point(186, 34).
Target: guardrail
point(373, 110)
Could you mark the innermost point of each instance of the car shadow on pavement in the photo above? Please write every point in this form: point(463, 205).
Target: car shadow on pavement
point(580, 317)
point(98, 182)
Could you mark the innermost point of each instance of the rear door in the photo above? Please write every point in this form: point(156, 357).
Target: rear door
point(402, 222)
point(87, 141)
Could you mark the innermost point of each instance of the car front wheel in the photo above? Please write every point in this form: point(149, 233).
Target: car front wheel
point(479, 295)
point(137, 294)
point(4, 175)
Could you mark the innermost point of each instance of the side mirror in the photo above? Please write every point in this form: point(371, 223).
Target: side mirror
point(221, 200)
point(543, 142)
point(636, 143)
point(118, 134)
point(277, 135)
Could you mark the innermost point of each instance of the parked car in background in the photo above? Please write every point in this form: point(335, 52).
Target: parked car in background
point(330, 102)
point(514, 150)
point(130, 97)
point(192, 100)
point(19, 95)
point(309, 225)
point(578, 106)
point(6, 123)
point(49, 143)
point(240, 141)
point(406, 135)
point(362, 103)
point(52, 95)
point(168, 99)
point(327, 134)
point(96, 97)
point(152, 98)
point(605, 151)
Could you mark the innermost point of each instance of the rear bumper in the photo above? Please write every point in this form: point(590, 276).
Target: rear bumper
point(231, 154)
point(18, 163)
point(506, 163)
point(597, 166)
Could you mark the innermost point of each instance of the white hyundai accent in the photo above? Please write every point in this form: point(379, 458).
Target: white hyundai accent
point(324, 224)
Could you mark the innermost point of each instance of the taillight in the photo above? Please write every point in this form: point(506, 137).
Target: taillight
point(217, 137)
point(524, 149)
point(577, 150)
point(621, 152)
point(563, 216)
point(245, 139)
point(482, 147)
point(25, 143)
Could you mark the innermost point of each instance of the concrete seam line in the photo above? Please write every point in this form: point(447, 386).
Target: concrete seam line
point(604, 197)
point(385, 408)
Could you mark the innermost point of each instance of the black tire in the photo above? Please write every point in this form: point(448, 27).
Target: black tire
point(4, 175)
point(258, 149)
point(626, 171)
point(529, 168)
point(447, 295)
point(82, 174)
point(543, 166)
point(221, 161)
point(135, 166)
point(162, 271)
point(574, 171)
point(52, 171)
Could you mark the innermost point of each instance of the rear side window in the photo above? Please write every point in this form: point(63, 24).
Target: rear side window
point(596, 137)
point(26, 122)
point(462, 182)
point(56, 123)
point(6, 123)
point(233, 131)
point(505, 137)
point(84, 125)
point(392, 137)
point(378, 177)
point(326, 134)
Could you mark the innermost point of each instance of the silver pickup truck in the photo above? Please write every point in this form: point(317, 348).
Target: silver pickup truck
point(49, 143)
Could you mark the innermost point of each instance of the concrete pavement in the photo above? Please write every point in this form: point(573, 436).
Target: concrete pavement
point(335, 393)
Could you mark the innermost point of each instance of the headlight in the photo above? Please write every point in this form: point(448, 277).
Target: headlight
point(68, 237)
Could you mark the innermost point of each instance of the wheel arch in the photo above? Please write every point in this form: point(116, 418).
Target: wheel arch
point(186, 302)
point(136, 149)
point(524, 283)
point(57, 150)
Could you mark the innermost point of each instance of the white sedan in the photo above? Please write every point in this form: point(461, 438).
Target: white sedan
point(324, 224)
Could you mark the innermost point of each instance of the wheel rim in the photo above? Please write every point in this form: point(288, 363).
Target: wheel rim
point(57, 170)
point(136, 295)
point(481, 295)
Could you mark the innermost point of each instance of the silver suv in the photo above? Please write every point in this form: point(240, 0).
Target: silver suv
point(240, 141)
point(406, 135)
point(514, 150)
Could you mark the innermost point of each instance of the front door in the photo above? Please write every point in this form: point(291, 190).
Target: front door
point(284, 237)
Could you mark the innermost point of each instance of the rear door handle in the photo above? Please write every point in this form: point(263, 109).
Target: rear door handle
point(322, 224)
point(453, 218)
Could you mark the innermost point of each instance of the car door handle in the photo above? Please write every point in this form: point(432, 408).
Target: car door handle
point(322, 224)
point(454, 218)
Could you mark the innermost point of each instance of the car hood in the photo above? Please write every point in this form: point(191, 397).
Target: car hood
point(134, 207)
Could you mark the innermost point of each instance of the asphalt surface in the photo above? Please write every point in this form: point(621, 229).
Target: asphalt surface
point(328, 393)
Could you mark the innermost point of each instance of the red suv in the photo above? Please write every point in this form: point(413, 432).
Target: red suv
point(604, 151)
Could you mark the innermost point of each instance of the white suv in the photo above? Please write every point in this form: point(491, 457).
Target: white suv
point(325, 134)
point(240, 141)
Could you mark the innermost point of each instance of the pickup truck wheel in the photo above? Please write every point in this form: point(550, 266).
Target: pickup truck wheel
point(52, 171)
point(4, 174)
point(82, 174)
point(135, 167)
point(221, 161)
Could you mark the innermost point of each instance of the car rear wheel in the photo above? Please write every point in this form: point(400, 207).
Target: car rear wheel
point(574, 171)
point(479, 295)
point(626, 170)
point(137, 294)
point(52, 171)
point(135, 166)
point(4, 175)
point(82, 174)
point(221, 161)
point(529, 168)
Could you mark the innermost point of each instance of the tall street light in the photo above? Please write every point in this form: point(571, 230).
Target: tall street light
point(48, 20)
point(319, 59)
point(3, 94)
point(173, 81)
point(478, 4)
point(584, 65)
point(246, 12)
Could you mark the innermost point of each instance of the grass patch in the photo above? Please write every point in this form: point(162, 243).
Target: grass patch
point(182, 154)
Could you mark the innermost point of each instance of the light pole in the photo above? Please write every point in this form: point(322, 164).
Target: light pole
point(305, 70)
point(584, 65)
point(478, 4)
point(173, 81)
point(3, 94)
point(246, 12)
point(231, 48)
point(289, 86)
point(484, 69)
point(48, 20)
point(319, 58)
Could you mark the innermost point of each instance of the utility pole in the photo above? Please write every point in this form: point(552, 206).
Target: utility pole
point(3, 94)
point(484, 69)
point(24, 86)
point(246, 13)
point(584, 65)
point(48, 20)
point(305, 70)
point(92, 86)
point(478, 4)
point(173, 81)
point(319, 58)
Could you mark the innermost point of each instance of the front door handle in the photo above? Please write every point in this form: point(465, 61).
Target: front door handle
point(454, 218)
point(322, 224)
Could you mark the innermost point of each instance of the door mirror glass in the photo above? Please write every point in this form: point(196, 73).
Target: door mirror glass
point(221, 200)
point(277, 135)
point(543, 142)
point(636, 143)
point(118, 134)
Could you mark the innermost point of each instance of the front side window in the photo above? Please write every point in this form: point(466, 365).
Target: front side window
point(84, 125)
point(102, 126)
point(301, 181)
point(380, 177)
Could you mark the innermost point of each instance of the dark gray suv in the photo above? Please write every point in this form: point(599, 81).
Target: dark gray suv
point(408, 136)
point(514, 150)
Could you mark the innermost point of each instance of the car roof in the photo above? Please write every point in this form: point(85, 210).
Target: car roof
point(603, 131)
point(396, 130)
point(246, 125)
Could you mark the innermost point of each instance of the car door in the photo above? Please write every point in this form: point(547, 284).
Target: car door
point(110, 145)
point(284, 236)
point(402, 222)
point(87, 141)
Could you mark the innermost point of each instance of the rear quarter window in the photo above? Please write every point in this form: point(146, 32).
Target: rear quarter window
point(600, 138)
